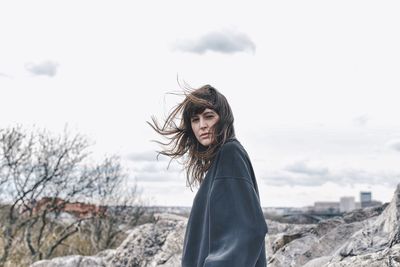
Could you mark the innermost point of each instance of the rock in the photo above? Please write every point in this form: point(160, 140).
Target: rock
point(284, 239)
point(317, 262)
point(156, 244)
point(290, 254)
point(369, 237)
point(378, 234)
point(275, 227)
point(389, 257)
point(106, 255)
point(366, 237)
point(362, 214)
point(313, 241)
point(152, 244)
point(71, 261)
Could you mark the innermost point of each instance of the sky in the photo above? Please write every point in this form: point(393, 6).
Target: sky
point(313, 86)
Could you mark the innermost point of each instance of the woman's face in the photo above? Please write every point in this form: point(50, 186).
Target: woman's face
point(203, 126)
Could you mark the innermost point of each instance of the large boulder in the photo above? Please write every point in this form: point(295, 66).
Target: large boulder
point(365, 237)
point(72, 261)
point(151, 244)
point(156, 244)
point(368, 237)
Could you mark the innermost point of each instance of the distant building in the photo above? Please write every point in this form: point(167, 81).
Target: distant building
point(365, 199)
point(347, 204)
point(79, 209)
point(326, 206)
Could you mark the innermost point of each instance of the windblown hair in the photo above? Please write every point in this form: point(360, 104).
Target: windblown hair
point(184, 142)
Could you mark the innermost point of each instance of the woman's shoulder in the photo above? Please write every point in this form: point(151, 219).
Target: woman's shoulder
point(232, 148)
point(233, 161)
point(232, 144)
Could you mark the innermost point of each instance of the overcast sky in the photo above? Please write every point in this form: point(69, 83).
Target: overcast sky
point(313, 85)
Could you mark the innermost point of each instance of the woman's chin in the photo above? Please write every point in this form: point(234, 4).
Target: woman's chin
point(205, 143)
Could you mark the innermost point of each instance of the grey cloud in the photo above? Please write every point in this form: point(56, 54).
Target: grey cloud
point(280, 178)
point(303, 167)
point(149, 167)
point(146, 167)
point(341, 177)
point(156, 167)
point(146, 156)
point(394, 144)
point(353, 176)
point(361, 120)
point(157, 177)
point(5, 75)
point(48, 68)
point(227, 41)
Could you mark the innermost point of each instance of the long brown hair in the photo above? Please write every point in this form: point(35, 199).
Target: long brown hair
point(184, 142)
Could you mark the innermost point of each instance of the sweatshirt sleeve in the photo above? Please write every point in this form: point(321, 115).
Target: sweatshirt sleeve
point(237, 227)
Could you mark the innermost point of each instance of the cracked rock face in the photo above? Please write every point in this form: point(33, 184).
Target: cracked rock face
point(73, 260)
point(157, 244)
point(368, 237)
point(152, 244)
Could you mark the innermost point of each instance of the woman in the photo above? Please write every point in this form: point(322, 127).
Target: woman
point(226, 226)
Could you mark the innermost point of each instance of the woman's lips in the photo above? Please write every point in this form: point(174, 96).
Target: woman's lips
point(204, 135)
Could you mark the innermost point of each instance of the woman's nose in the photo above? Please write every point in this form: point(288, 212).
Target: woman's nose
point(203, 123)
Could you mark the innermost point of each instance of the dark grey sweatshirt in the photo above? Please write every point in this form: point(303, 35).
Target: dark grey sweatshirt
point(226, 226)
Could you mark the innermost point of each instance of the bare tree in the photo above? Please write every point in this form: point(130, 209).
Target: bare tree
point(124, 208)
point(15, 157)
point(40, 176)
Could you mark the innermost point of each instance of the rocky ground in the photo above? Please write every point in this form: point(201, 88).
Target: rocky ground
point(368, 237)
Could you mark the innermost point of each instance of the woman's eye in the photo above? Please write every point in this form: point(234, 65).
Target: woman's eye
point(208, 117)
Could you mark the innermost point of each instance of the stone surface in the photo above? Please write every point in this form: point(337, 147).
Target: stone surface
point(152, 244)
point(71, 261)
point(368, 237)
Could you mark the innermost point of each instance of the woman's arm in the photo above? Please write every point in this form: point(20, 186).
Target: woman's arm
point(237, 227)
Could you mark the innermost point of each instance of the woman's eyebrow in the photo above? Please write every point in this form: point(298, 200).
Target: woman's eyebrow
point(205, 113)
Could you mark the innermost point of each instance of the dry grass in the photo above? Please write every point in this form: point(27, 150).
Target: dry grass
point(79, 243)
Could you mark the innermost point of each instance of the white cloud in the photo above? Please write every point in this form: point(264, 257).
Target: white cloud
point(361, 120)
point(394, 144)
point(48, 68)
point(302, 175)
point(5, 75)
point(223, 41)
point(164, 177)
point(145, 167)
point(305, 168)
point(146, 156)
